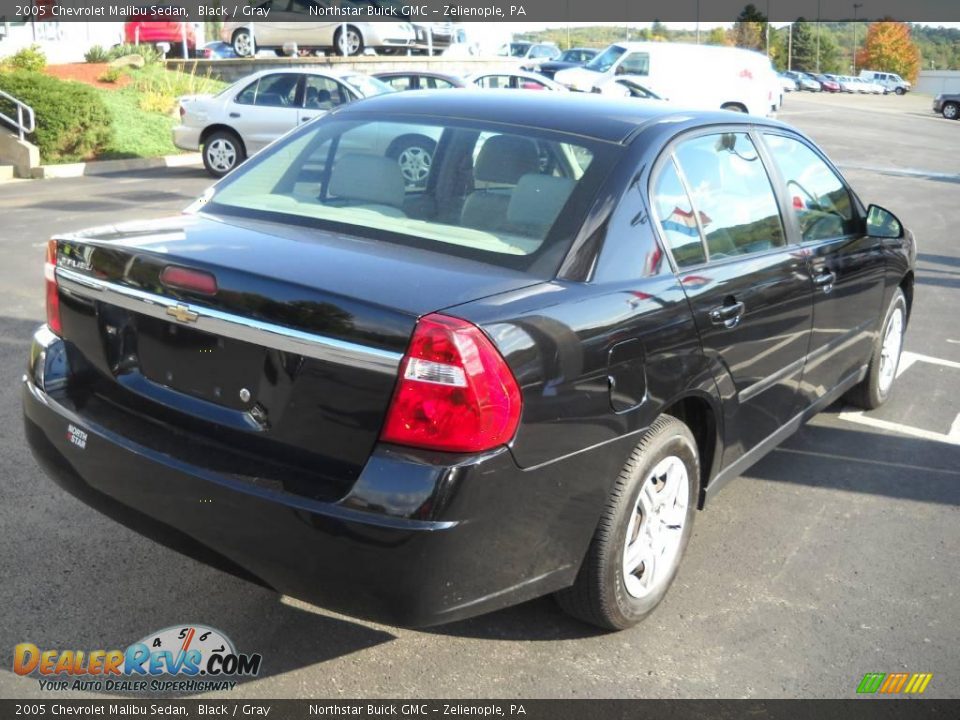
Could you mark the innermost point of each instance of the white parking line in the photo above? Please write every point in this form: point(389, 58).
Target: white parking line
point(907, 359)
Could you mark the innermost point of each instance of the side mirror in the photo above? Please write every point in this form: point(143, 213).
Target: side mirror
point(882, 223)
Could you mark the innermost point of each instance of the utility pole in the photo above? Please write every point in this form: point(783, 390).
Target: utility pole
point(856, 6)
point(790, 46)
point(818, 37)
point(767, 28)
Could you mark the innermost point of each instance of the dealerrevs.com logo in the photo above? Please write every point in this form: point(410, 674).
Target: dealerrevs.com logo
point(186, 658)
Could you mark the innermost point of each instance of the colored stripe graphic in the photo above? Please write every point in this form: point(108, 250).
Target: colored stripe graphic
point(893, 683)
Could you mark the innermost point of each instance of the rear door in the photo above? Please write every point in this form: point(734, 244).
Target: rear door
point(266, 109)
point(322, 94)
point(848, 267)
point(749, 289)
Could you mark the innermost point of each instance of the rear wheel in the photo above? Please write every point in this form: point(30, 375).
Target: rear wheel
point(222, 152)
point(644, 530)
point(951, 111)
point(414, 155)
point(874, 389)
point(349, 41)
point(243, 43)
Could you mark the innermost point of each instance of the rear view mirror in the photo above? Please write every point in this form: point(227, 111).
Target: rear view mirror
point(882, 223)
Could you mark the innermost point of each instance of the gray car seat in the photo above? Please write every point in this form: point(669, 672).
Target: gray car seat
point(372, 182)
point(503, 159)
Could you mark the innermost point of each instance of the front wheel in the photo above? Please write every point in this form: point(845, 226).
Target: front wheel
point(951, 111)
point(414, 155)
point(900, 91)
point(222, 152)
point(643, 532)
point(874, 389)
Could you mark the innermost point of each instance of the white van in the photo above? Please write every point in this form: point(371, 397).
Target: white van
point(696, 76)
point(891, 81)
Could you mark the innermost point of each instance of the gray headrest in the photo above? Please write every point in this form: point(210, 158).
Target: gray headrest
point(505, 159)
point(370, 179)
point(537, 200)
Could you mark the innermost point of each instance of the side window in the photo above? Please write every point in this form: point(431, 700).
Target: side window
point(677, 220)
point(435, 83)
point(248, 94)
point(731, 194)
point(400, 82)
point(277, 90)
point(818, 198)
point(636, 64)
point(322, 93)
point(494, 82)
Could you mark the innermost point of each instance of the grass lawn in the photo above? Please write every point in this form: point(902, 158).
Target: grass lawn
point(143, 111)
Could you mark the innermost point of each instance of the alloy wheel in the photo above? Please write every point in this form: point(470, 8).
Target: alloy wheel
point(414, 162)
point(890, 350)
point(222, 155)
point(655, 528)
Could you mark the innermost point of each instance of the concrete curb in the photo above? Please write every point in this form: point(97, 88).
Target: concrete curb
point(104, 167)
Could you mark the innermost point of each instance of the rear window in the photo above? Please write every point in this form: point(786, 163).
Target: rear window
point(511, 198)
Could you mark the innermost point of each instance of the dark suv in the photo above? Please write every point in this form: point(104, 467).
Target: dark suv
point(522, 377)
point(948, 105)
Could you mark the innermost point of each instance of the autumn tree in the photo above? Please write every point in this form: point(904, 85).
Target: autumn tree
point(749, 31)
point(889, 47)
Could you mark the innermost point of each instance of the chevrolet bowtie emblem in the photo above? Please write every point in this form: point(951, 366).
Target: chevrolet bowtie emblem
point(182, 313)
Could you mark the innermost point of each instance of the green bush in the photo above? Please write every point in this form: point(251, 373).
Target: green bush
point(29, 58)
point(147, 52)
point(110, 75)
point(159, 88)
point(73, 122)
point(96, 54)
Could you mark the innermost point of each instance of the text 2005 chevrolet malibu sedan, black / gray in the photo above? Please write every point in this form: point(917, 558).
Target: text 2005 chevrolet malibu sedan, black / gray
point(521, 377)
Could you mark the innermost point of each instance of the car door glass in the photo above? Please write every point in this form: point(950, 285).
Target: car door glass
point(732, 194)
point(494, 82)
point(677, 221)
point(277, 90)
point(322, 93)
point(636, 64)
point(818, 198)
point(248, 94)
point(433, 83)
point(400, 82)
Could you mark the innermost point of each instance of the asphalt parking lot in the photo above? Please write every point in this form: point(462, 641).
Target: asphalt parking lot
point(837, 555)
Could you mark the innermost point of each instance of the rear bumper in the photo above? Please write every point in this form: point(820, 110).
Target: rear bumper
point(186, 137)
point(419, 540)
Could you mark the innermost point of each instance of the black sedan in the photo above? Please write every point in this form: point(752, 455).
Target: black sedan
point(948, 105)
point(523, 377)
point(574, 57)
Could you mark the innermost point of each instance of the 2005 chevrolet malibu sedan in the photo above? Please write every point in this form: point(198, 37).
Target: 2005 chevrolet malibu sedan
point(523, 377)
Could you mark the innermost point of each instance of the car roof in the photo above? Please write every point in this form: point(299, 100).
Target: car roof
point(326, 71)
point(418, 73)
point(601, 118)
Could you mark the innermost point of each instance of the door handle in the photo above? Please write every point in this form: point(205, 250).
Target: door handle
point(305, 119)
point(825, 280)
point(234, 114)
point(728, 315)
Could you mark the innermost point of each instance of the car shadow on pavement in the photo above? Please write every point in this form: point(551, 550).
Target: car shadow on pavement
point(860, 460)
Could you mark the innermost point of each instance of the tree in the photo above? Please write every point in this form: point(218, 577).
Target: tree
point(890, 48)
point(718, 36)
point(749, 31)
point(805, 56)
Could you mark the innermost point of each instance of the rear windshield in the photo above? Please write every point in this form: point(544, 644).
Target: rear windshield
point(513, 197)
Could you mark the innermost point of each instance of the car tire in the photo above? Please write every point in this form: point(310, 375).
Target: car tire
point(951, 111)
point(874, 390)
point(414, 155)
point(900, 91)
point(223, 151)
point(243, 44)
point(610, 591)
point(353, 45)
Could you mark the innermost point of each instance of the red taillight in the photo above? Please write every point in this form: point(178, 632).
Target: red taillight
point(455, 391)
point(53, 297)
point(182, 278)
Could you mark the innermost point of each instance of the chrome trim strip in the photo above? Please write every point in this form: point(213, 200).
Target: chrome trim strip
point(232, 326)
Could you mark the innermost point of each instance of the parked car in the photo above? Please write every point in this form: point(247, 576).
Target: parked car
point(218, 50)
point(827, 83)
point(436, 35)
point(148, 25)
point(698, 76)
point(419, 80)
point(529, 51)
point(864, 87)
point(948, 105)
point(788, 83)
point(574, 57)
point(804, 81)
point(513, 80)
point(848, 84)
point(247, 116)
point(890, 81)
point(419, 405)
point(246, 38)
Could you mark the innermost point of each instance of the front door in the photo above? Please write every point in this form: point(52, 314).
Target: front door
point(749, 289)
point(848, 267)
